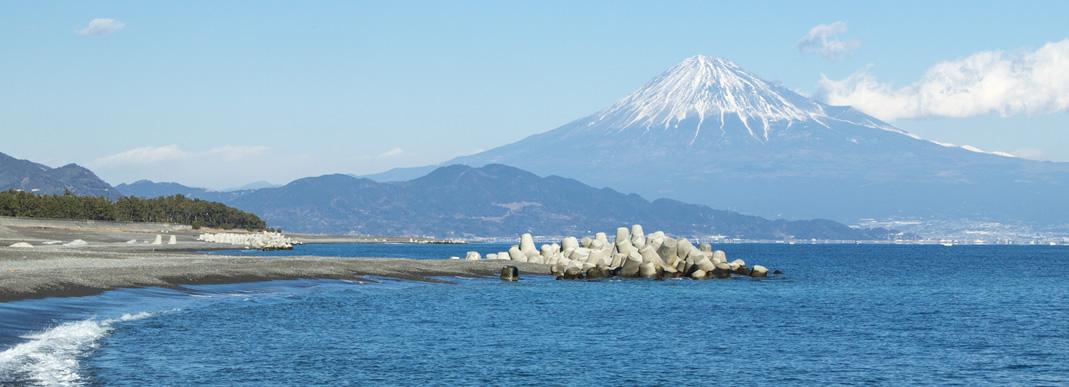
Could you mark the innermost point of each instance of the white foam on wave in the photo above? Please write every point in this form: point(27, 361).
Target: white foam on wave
point(51, 357)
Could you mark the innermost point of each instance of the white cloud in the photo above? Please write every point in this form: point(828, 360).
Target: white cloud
point(982, 83)
point(149, 155)
point(394, 152)
point(101, 26)
point(824, 39)
point(142, 155)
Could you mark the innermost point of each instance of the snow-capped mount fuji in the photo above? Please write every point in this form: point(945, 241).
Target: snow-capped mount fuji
point(718, 99)
point(708, 131)
point(714, 90)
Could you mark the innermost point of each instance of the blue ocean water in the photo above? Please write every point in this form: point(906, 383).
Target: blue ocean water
point(379, 250)
point(841, 314)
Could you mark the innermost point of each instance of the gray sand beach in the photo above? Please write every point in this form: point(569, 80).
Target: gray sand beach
point(108, 262)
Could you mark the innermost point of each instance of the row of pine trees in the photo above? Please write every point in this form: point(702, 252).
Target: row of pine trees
point(176, 209)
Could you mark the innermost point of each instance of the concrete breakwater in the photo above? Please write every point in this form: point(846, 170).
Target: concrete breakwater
point(261, 240)
point(631, 254)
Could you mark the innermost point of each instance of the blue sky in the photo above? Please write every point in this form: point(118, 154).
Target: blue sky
point(220, 94)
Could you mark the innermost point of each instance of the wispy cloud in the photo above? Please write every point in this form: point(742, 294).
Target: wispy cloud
point(824, 39)
point(160, 154)
point(1027, 81)
point(101, 26)
point(142, 155)
point(393, 152)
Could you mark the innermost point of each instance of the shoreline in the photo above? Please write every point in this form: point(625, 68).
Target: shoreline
point(29, 274)
point(115, 255)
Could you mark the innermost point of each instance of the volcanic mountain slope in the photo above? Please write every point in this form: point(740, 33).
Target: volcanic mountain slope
point(33, 177)
point(497, 200)
point(707, 131)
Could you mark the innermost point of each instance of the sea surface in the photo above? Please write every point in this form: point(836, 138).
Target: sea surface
point(841, 314)
point(380, 250)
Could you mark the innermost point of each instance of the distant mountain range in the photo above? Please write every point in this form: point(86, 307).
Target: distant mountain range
point(494, 200)
point(453, 201)
point(254, 185)
point(33, 177)
point(707, 131)
point(151, 189)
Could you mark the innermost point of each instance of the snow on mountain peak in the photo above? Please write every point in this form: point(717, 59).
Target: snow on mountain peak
point(708, 89)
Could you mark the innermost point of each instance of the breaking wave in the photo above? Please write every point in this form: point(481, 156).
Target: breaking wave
point(52, 357)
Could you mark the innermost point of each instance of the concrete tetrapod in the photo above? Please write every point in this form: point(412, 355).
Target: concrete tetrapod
point(510, 273)
point(632, 253)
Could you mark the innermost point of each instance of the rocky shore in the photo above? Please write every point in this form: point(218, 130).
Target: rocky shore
point(631, 254)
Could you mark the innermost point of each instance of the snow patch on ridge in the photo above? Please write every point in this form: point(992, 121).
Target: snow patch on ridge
point(970, 148)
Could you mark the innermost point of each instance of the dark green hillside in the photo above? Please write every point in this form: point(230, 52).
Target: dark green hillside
point(176, 209)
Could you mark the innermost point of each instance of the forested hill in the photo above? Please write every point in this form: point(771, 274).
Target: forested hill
point(29, 176)
point(175, 209)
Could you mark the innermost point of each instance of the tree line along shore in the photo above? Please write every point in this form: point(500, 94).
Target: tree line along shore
point(175, 209)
